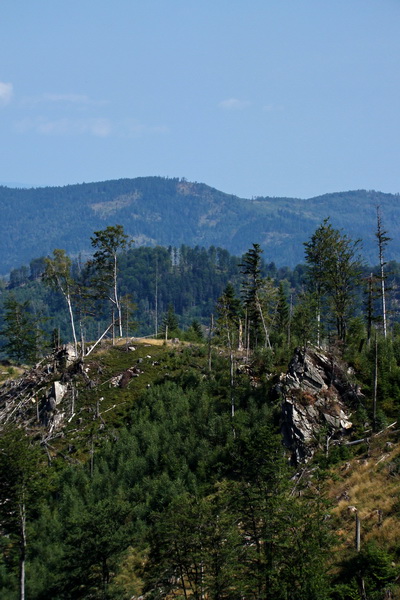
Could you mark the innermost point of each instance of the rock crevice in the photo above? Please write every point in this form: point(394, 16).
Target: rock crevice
point(317, 401)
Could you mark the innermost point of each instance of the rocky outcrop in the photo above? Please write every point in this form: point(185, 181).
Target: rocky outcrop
point(317, 401)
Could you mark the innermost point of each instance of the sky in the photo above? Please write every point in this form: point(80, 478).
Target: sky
point(289, 98)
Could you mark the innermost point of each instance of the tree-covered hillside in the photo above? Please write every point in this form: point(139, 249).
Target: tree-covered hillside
point(151, 486)
point(159, 211)
point(214, 467)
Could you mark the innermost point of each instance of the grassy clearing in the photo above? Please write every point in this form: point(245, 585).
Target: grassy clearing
point(369, 486)
point(8, 371)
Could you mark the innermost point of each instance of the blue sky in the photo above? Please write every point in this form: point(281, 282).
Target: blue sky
point(255, 98)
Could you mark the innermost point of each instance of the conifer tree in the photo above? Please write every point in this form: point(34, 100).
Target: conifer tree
point(21, 330)
point(108, 244)
point(251, 286)
point(22, 484)
point(94, 540)
point(333, 272)
point(170, 321)
point(195, 332)
point(229, 322)
point(282, 311)
point(283, 539)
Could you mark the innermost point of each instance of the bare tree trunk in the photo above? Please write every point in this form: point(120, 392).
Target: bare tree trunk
point(71, 317)
point(363, 591)
point(375, 381)
point(22, 552)
point(82, 339)
point(156, 299)
point(209, 341)
point(358, 533)
point(383, 303)
point(382, 241)
point(100, 338)
point(289, 326)
point(240, 335)
point(267, 342)
point(116, 298)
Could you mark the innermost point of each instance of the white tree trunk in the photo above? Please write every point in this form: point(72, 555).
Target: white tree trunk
point(267, 342)
point(99, 340)
point(116, 298)
point(71, 316)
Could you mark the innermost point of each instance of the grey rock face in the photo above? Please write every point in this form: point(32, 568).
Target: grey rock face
point(317, 399)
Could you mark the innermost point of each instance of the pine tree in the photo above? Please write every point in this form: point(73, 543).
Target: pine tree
point(283, 539)
point(195, 332)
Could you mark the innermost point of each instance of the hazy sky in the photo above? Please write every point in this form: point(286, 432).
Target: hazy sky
point(255, 98)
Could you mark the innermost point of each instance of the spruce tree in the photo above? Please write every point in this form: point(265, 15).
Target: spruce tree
point(23, 482)
point(251, 286)
point(22, 331)
point(333, 273)
point(170, 323)
point(229, 319)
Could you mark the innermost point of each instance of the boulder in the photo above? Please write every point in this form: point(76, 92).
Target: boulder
point(59, 391)
point(66, 356)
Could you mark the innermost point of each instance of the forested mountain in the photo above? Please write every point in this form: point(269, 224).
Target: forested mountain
point(159, 211)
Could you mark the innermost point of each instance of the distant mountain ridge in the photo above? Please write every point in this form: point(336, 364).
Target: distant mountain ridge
point(163, 211)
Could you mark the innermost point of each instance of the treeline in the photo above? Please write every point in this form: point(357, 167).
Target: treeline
point(152, 283)
point(152, 280)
